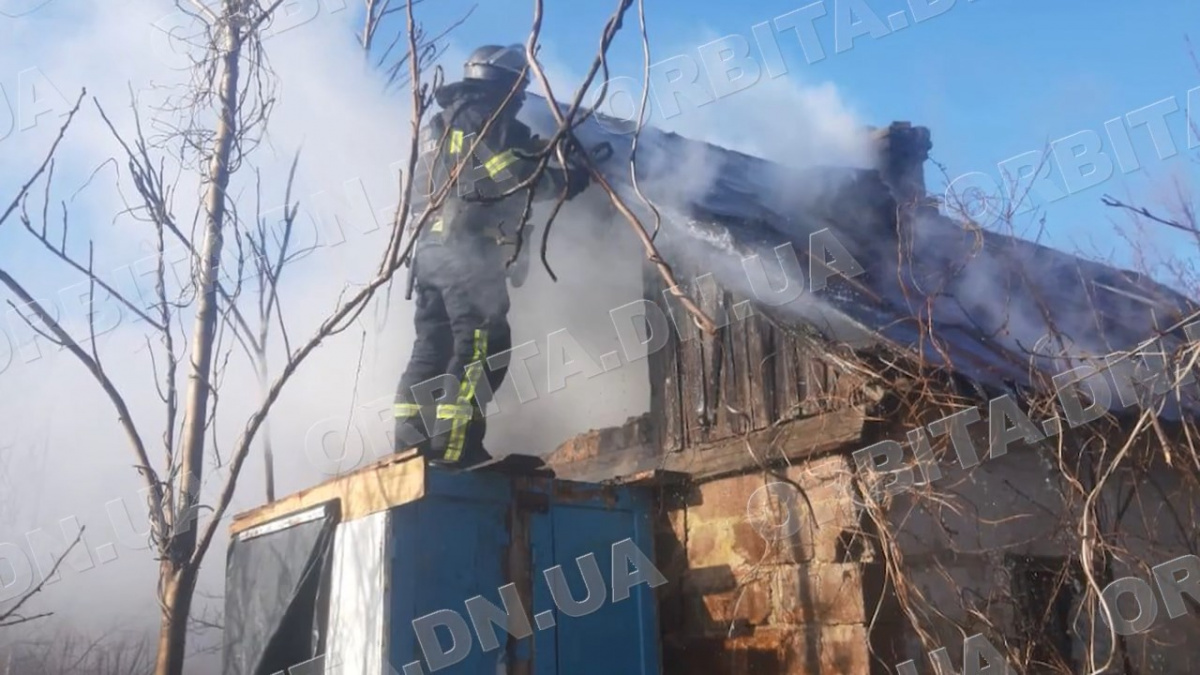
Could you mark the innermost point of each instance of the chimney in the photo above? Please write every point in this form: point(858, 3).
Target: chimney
point(902, 151)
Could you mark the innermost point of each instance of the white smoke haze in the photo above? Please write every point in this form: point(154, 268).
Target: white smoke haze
point(800, 126)
point(62, 418)
point(600, 258)
point(64, 454)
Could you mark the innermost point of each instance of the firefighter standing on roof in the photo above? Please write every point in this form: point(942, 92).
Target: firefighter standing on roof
point(461, 256)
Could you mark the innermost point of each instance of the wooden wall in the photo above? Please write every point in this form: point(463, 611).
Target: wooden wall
point(747, 377)
point(751, 375)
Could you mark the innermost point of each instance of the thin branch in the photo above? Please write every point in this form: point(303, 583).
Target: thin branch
point(703, 321)
point(10, 617)
point(62, 131)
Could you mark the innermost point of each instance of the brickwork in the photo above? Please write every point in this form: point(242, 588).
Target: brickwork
point(790, 602)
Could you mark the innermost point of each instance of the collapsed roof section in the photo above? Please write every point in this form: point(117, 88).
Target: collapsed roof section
point(990, 300)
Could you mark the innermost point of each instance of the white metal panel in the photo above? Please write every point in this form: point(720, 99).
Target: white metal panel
point(358, 598)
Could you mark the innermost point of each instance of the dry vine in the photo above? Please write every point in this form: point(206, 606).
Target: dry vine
point(1099, 471)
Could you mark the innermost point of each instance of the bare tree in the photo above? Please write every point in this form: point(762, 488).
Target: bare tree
point(13, 616)
point(222, 115)
point(69, 653)
point(223, 112)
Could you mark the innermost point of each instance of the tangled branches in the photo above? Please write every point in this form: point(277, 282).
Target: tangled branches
point(1014, 524)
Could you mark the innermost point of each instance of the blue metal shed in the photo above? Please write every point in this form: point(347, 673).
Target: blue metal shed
point(405, 568)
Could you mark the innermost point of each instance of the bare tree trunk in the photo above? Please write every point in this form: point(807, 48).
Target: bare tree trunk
point(264, 386)
point(175, 490)
point(178, 584)
point(178, 569)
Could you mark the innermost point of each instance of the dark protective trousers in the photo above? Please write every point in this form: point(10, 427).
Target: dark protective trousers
point(461, 319)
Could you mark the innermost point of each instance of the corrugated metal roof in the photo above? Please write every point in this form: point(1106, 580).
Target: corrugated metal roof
point(990, 298)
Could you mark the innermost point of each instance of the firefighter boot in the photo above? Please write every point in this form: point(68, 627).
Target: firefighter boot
point(461, 450)
point(474, 453)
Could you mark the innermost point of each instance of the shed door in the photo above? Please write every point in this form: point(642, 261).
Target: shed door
point(447, 550)
point(617, 637)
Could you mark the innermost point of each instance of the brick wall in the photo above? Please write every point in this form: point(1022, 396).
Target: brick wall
point(739, 602)
point(799, 599)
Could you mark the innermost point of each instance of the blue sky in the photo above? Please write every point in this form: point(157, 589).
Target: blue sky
point(992, 79)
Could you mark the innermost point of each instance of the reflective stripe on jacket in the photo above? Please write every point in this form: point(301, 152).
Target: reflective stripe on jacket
point(501, 160)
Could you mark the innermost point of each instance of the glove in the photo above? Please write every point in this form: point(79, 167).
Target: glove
point(518, 271)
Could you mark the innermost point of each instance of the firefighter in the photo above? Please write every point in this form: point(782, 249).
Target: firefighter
point(460, 271)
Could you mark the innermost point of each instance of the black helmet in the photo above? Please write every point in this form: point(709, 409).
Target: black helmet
point(500, 65)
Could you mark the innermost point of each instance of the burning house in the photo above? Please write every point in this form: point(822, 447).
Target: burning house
point(880, 471)
point(903, 459)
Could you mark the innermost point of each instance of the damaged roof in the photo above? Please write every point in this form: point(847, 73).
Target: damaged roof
point(989, 299)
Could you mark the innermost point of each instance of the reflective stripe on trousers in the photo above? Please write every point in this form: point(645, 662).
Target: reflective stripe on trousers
point(406, 409)
point(462, 410)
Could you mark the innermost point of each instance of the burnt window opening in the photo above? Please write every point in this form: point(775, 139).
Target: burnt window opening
point(1045, 593)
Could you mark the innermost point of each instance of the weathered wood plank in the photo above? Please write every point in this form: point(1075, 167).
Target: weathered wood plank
point(651, 477)
point(691, 375)
point(772, 447)
point(663, 370)
point(760, 374)
point(801, 370)
point(672, 433)
point(808, 377)
point(724, 386)
point(788, 382)
point(616, 463)
point(655, 366)
point(827, 379)
point(713, 349)
point(740, 369)
point(716, 364)
point(394, 480)
point(775, 446)
point(636, 431)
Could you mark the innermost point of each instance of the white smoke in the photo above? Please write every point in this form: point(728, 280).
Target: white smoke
point(599, 258)
point(61, 439)
point(352, 138)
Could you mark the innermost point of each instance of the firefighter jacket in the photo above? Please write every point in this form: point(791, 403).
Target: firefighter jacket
point(503, 158)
